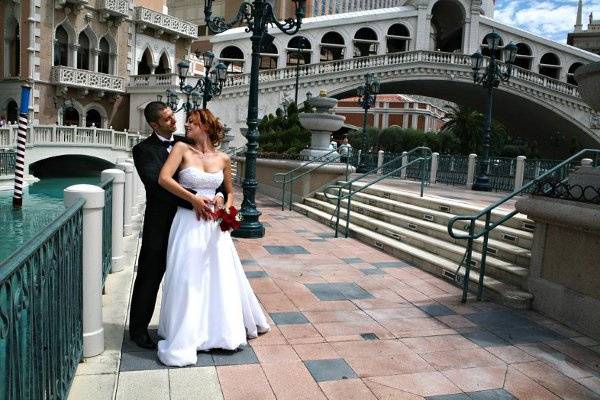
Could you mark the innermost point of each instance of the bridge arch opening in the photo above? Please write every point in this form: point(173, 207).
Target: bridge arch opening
point(268, 58)
point(298, 51)
point(524, 56)
point(69, 166)
point(70, 117)
point(571, 73)
point(233, 58)
point(398, 38)
point(550, 65)
point(12, 111)
point(145, 64)
point(447, 26)
point(365, 43)
point(486, 51)
point(163, 65)
point(332, 47)
point(61, 46)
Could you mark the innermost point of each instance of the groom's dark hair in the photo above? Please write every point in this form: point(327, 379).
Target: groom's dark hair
point(153, 109)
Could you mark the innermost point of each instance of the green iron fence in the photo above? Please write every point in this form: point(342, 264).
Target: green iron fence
point(7, 162)
point(452, 169)
point(107, 229)
point(501, 171)
point(41, 331)
point(535, 168)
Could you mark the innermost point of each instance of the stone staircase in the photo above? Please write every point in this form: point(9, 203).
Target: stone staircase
point(415, 229)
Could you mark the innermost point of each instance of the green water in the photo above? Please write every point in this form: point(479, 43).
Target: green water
point(42, 203)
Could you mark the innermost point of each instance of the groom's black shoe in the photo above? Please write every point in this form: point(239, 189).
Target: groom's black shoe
point(143, 340)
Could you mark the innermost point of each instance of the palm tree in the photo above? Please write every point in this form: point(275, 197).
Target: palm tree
point(465, 123)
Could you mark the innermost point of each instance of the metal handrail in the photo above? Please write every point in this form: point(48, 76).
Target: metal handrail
point(325, 159)
point(338, 198)
point(489, 225)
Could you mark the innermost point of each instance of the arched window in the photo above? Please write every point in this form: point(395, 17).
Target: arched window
point(365, 42)
point(163, 65)
point(233, 57)
point(398, 38)
point(332, 47)
point(61, 47)
point(447, 22)
point(485, 50)
point(145, 64)
point(571, 73)
point(12, 48)
point(524, 56)
point(298, 51)
point(83, 52)
point(12, 111)
point(93, 118)
point(550, 65)
point(104, 57)
point(70, 116)
point(268, 58)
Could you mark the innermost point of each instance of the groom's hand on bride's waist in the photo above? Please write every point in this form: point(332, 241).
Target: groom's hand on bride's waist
point(202, 207)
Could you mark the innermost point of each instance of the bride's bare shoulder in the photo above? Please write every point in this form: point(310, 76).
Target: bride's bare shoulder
point(224, 156)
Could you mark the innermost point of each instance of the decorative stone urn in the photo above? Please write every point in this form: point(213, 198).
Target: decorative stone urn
point(227, 138)
point(321, 123)
point(588, 79)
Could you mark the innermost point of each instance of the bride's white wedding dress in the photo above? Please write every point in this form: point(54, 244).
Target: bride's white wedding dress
point(207, 301)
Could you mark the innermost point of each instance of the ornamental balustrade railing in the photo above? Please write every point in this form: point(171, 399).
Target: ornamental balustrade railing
point(117, 8)
point(71, 135)
point(160, 21)
point(159, 80)
point(7, 162)
point(81, 78)
point(410, 57)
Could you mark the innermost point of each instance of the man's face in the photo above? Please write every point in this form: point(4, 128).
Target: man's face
point(166, 124)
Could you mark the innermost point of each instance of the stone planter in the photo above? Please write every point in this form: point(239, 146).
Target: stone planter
point(588, 78)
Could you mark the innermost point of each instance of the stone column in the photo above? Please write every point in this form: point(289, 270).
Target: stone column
point(423, 28)
point(127, 225)
point(118, 197)
point(404, 162)
point(434, 167)
point(93, 330)
point(380, 156)
point(519, 172)
point(135, 188)
point(471, 170)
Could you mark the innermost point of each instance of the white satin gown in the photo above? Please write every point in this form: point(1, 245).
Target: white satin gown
point(207, 301)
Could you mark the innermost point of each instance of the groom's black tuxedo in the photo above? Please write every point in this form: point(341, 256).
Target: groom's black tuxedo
point(161, 205)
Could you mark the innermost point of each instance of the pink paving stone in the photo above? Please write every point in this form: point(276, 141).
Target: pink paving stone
point(264, 285)
point(349, 338)
point(243, 382)
point(292, 381)
point(592, 383)
point(387, 393)
point(337, 316)
point(371, 348)
point(408, 327)
point(585, 341)
point(275, 302)
point(394, 364)
point(432, 344)
point(557, 360)
point(317, 305)
point(577, 352)
point(387, 294)
point(476, 379)
point(421, 384)
point(350, 328)
point(272, 337)
point(316, 351)
point(466, 358)
point(411, 294)
point(456, 321)
point(383, 314)
point(275, 354)
point(369, 304)
point(347, 389)
point(303, 331)
point(522, 387)
point(510, 354)
point(555, 381)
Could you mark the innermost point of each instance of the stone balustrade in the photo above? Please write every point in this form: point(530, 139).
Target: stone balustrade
point(159, 80)
point(80, 78)
point(167, 23)
point(116, 8)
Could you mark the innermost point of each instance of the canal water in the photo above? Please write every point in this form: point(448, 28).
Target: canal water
point(42, 203)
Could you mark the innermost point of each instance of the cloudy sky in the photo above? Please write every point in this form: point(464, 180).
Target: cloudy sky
point(547, 18)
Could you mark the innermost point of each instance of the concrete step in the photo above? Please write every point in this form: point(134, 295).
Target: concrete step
point(505, 271)
point(445, 205)
point(505, 293)
point(502, 233)
point(504, 251)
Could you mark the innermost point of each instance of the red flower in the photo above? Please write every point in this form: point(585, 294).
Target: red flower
point(227, 219)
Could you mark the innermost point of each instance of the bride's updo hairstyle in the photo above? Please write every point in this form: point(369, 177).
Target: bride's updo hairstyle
point(212, 124)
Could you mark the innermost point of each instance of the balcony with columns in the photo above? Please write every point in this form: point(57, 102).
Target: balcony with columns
point(164, 24)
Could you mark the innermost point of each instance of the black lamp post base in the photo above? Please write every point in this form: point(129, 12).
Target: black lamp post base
point(249, 229)
point(482, 184)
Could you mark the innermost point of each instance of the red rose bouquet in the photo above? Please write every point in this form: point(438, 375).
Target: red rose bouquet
point(227, 219)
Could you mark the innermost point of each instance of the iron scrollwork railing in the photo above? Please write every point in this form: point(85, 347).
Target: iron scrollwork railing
point(556, 189)
point(476, 229)
point(107, 229)
point(41, 328)
point(452, 169)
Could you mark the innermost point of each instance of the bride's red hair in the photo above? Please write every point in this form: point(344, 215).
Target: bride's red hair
point(212, 124)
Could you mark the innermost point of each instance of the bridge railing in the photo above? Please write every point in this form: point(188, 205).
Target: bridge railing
point(71, 135)
point(391, 59)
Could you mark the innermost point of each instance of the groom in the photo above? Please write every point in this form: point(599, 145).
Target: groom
point(149, 157)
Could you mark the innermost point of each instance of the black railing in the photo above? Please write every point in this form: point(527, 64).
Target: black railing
point(7, 162)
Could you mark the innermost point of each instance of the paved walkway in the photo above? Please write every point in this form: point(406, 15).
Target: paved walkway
point(350, 322)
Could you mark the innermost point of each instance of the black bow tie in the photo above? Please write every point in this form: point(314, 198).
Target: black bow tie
point(167, 143)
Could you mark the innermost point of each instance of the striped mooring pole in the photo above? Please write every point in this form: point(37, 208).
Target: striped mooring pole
point(21, 141)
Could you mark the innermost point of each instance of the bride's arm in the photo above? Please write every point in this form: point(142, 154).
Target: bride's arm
point(228, 181)
point(165, 178)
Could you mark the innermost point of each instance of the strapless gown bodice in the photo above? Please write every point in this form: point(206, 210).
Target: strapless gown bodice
point(204, 183)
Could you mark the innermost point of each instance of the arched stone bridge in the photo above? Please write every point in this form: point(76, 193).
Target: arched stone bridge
point(45, 142)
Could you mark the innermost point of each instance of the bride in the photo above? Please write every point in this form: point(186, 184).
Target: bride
point(207, 301)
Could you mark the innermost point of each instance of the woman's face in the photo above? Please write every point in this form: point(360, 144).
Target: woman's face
point(194, 130)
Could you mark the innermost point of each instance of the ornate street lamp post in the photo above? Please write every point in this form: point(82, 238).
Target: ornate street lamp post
point(204, 90)
point(490, 78)
point(298, 53)
point(257, 15)
point(367, 95)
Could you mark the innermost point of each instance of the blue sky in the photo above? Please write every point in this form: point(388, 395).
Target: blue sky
point(548, 18)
